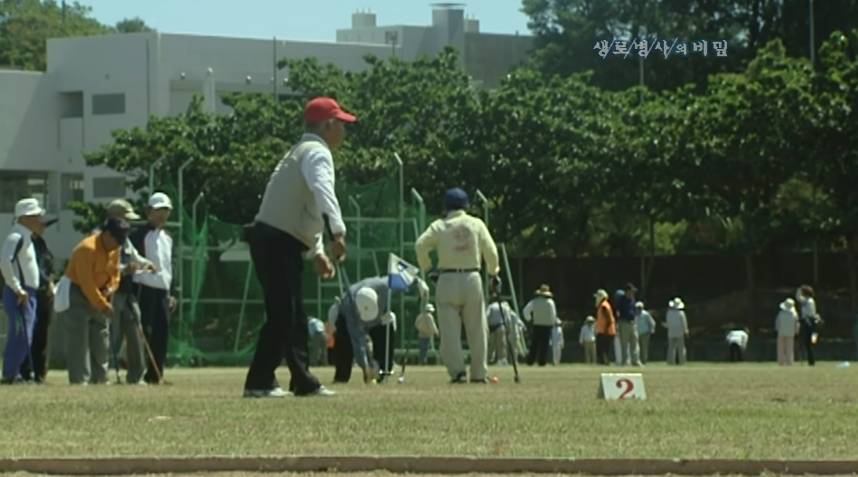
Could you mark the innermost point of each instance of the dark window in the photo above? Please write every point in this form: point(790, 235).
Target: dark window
point(17, 185)
point(71, 189)
point(108, 187)
point(71, 104)
point(108, 103)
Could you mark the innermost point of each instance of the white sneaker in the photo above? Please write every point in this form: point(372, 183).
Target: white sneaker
point(322, 391)
point(277, 392)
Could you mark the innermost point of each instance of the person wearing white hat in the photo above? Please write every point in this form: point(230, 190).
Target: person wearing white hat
point(587, 340)
point(362, 311)
point(156, 299)
point(21, 278)
point(427, 330)
point(787, 326)
point(606, 327)
point(542, 312)
point(646, 327)
point(677, 331)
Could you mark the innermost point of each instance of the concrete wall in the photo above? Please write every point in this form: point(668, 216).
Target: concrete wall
point(28, 121)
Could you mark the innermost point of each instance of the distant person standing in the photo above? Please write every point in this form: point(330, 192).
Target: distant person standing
point(498, 331)
point(156, 299)
point(646, 328)
point(677, 331)
point(557, 342)
point(587, 339)
point(44, 305)
point(606, 327)
point(20, 270)
point(628, 331)
point(286, 231)
point(427, 330)
point(737, 343)
point(809, 320)
point(787, 326)
point(318, 342)
point(542, 312)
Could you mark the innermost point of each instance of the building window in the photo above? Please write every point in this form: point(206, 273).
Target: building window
point(108, 187)
point(108, 103)
point(17, 185)
point(71, 104)
point(71, 189)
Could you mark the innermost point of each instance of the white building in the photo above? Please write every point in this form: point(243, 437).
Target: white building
point(94, 85)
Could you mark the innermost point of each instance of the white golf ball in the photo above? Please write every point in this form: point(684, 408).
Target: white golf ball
point(401, 379)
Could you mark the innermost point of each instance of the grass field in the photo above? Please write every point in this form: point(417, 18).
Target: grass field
point(753, 411)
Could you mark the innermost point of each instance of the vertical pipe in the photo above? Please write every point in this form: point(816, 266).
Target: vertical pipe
point(401, 237)
point(812, 34)
point(152, 174)
point(181, 213)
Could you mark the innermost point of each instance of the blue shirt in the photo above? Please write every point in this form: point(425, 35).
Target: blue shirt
point(625, 309)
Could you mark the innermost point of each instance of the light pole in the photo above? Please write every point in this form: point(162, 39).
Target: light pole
point(812, 43)
point(392, 37)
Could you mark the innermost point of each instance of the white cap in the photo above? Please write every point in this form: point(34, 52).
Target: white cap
point(160, 200)
point(430, 307)
point(366, 300)
point(28, 208)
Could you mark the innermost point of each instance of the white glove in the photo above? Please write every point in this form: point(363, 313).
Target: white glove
point(388, 318)
point(423, 288)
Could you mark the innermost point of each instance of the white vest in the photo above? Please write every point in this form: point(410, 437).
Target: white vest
point(288, 203)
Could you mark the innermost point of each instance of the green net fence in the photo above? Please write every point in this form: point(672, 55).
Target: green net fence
point(220, 300)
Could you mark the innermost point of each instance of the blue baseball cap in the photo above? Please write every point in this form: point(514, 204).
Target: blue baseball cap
point(455, 199)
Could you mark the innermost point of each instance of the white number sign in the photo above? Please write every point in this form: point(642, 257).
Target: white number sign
point(621, 386)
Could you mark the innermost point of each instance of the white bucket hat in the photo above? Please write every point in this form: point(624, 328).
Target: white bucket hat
point(28, 208)
point(366, 300)
point(788, 304)
point(676, 304)
point(430, 307)
point(160, 200)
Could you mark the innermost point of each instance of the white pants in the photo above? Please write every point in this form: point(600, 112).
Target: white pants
point(676, 346)
point(459, 298)
point(786, 347)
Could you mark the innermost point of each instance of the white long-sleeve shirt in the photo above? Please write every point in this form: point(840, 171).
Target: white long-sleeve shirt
point(461, 241)
point(26, 258)
point(588, 334)
point(677, 324)
point(738, 337)
point(786, 323)
point(159, 250)
point(541, 311)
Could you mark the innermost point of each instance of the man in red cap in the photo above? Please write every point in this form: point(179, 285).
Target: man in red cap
point(287, 230)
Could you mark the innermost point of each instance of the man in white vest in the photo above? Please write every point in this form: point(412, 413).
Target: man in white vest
point(462, 242)
point(287, 230)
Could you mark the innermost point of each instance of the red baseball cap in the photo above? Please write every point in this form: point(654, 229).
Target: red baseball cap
point(322, 109)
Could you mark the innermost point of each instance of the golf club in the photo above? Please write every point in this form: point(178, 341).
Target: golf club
point(113, 349)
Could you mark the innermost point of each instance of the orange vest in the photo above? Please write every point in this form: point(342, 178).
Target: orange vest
point(605, 323)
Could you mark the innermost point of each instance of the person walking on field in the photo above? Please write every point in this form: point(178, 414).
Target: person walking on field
point(787, 326)
point(677, 331)
point(427, 330)
point(462, 242)
point(286, 231)
point(627, 328)
point(499, 333)
point(606, 327)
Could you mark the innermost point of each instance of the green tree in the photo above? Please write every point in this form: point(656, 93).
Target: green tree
point(132, 25)
point(26, 25)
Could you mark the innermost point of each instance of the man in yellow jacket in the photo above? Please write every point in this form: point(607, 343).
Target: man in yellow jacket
point(462, 242)
point(94, 274)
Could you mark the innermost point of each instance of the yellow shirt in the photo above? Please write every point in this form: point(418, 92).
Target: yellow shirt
point(94, 270)
point(461, 240)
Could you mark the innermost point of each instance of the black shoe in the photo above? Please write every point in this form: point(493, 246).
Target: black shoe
point(460, 378)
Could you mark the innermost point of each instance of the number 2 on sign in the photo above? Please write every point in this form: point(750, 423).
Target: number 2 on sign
point(629, 385)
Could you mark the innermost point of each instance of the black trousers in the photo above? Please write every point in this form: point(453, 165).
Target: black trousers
point(604, 349)
point(278, 263)
point(343, 352)
point(39, 346)
point(155, 318)
point(736, 353)
point(807, 331)
point(377, 334)
point(539, 344)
